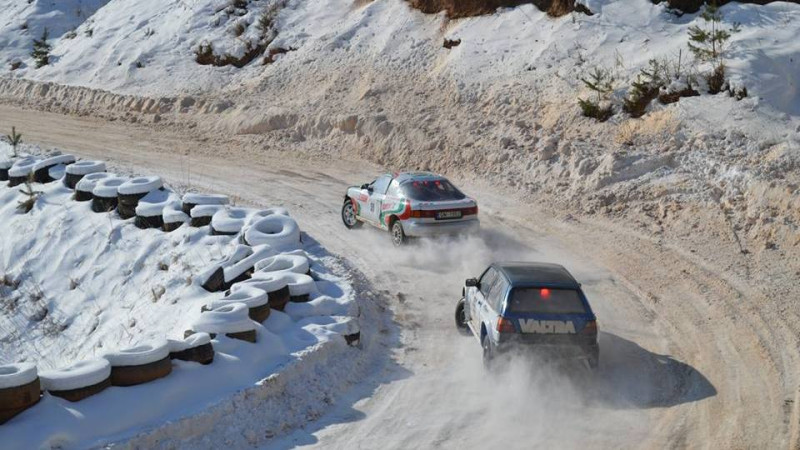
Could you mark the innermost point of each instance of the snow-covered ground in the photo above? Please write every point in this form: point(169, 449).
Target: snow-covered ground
point(78, 284)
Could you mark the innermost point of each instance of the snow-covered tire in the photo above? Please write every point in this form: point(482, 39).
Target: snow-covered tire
point(228, 221)
point(276, 287)
point(84, 188)
point(196, 348)
point(5, 164)
point(284, 264)
point(174, 218)
point(41, 170)
point(233, 320)
point(191, 200)
point(202, 214)
point(133, 190)
point(256, 300)
point(140, 364)
point(19, 389)
point(301, 287)
point(104, 194)
point(21, 171)
point(75, 172)
point(278, 231)
point(78, 381)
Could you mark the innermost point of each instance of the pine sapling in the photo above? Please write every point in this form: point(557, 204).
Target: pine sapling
point(25, 206)
point(41, 50)
point(14, 139)
point(601, 82)
point(709, 44)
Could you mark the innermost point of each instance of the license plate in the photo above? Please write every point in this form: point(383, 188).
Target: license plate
point(443, 215)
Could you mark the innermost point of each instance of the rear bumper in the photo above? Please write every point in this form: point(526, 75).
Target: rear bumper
point(588, 352)
point(415, 228)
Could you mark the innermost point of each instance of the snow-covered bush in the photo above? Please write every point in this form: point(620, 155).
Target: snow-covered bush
point(41, 50)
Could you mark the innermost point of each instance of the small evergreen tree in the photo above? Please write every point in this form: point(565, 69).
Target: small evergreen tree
point(41, 50)
point(709, 44)
point(14, 139)
point(25, 206)
point(601, 82)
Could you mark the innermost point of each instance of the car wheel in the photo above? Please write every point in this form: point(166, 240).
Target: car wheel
point(488, 352)
point(398, 235)
point(461, 318)
point(349, 215)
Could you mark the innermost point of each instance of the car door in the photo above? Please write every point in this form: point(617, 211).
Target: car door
point(376, 196)
point(479, 304)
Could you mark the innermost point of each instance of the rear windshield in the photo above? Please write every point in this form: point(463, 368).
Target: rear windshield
point(431, 190)
point(546, 301)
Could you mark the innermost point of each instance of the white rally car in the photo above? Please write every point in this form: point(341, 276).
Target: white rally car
point(411, 204)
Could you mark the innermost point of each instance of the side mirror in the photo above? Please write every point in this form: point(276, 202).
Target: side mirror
point(472, 282)
point(365, 186)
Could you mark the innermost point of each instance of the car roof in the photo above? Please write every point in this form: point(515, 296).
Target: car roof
point(536, 273)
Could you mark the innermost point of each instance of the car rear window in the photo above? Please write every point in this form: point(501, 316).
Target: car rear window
point(546, 301)
point(431, 190)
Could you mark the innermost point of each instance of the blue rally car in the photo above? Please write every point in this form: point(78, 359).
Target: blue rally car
point(529, 306)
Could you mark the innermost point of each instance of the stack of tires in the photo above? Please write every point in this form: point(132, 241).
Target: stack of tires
point(21, 170)
point(5, 164)
point(19, 389)
point(232, 320)
point(130, 192)
point(78, 381)
point(105, 196)
point(196, 348)
point(85, 187)
point(56, 164)
point(140, 364)
point(75, 172)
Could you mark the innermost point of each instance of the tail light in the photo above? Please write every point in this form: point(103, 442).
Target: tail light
point(423, 214)
point(590, 329)
point(505, 326)
point(469, 211)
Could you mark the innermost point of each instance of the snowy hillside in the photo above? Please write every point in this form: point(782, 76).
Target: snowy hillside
point(150, 46)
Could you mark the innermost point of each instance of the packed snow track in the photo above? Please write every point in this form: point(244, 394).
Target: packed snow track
point(686, 357)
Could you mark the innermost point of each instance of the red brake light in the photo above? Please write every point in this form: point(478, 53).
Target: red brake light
point(590, 328)
point(505, 326)
point(469, 211)
point(545, 293)
point(423, 214)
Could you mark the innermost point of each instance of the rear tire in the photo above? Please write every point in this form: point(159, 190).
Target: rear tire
point(461, 318)
point(349, 216)
point(398, 235)
point(488, 352)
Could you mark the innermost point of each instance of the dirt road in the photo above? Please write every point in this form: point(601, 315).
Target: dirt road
point(687, 358)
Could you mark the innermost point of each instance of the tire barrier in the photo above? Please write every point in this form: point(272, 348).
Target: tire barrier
point(173, 218)
point(150, 210)
point(78, 381)
point(276, 287)
point(191, 200)
point(41, 170)
point(19, 389)
point(350, 330)
point(202, 214)
point(256, 300)
point(84, 188)
point(278, 231)
point(104, 194)
point(140, 364)
point(232, 320)
point(21, 170)
point(283, 264)
point(75, 172)
point(133, 190)
point(5, 164)
point(228, 221)
point(195, 348)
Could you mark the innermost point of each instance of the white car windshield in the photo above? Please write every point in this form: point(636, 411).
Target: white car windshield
point(431, 190)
